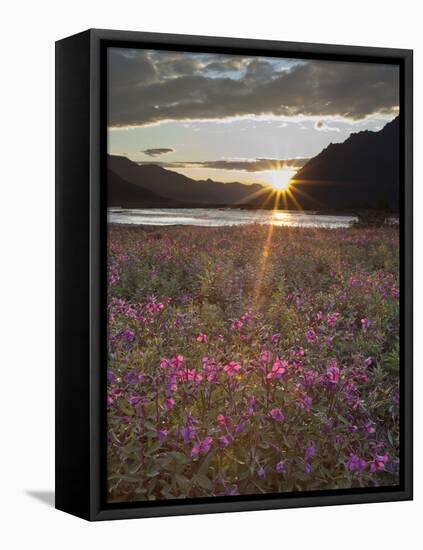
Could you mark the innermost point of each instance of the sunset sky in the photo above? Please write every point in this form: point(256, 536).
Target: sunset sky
point(240, 118)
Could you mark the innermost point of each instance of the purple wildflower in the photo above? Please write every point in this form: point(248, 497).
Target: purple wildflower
point(188, 433)
point(277, 415)
point(378, 463)
point(311, 336)
point(355, 464)
point(169, 403)
point(161, 434)
point(261, 473)
point(310, 451)
point(280, 467)
point(365, 323)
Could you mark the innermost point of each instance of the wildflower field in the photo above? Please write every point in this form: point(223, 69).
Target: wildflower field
point(251, 359)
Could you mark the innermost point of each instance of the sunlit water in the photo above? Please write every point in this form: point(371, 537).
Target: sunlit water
point(214, 217)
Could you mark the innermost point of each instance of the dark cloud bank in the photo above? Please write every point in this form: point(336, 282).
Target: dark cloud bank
point(147, 87)
point(256, 165)
point(158, 151)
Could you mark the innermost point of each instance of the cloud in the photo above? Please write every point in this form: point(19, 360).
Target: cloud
point(158, 151)
point(148, 87)
point(323, 127)
point(245, 165)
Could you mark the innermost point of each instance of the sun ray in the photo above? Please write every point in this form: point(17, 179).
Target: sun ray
point(264, 259)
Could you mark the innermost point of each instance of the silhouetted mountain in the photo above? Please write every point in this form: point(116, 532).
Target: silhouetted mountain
point(177, 187)
point(122, 193)
point(360, 173)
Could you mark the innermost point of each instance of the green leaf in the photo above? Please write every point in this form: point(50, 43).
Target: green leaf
point(180, 458)
point(153, 472)
point(204, 482)
point(204, 468)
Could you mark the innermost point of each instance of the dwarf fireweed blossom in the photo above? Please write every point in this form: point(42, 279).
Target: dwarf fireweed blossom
point(224, 441)
point(265, 356)
point(355, 464)
point(365, 323)
point(169, 403)
point(279, 368)
point(277, 415)
point(188, 433)
point(311, 336)
point(332, 372)
point(378, 463)
point(135, 400)
point(154, 307)
point(128, 335)
point(161, 434)
point(370, 427)
point(261, 473)
point(280, 467)
point(203, 447)
point(237, 324)
point(232, 368)
point(307, 468)
point(189, 375)
point(202, 338)
point(224, 420)
point(246, 318)
point(310, 452)
point(332, 319)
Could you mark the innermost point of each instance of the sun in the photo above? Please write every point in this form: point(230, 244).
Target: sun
point(280, 185)
point(280, 179)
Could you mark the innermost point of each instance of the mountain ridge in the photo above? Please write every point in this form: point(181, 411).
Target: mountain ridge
point(360, 173)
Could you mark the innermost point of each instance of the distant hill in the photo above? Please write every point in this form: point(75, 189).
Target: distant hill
point(122, 193)
point(169, 185)
point(360, 173)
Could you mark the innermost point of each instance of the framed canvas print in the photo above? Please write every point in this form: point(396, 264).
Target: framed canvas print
point(234, 274)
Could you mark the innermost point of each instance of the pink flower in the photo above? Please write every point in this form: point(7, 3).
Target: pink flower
point(368, 361)
point(190, 375)
point(369, 427)
point(224, 441)
point(265, 357)
point(279, 368)
point(169, 403)
point(332, 372)
point(332, 319)
point(202, 338)
point(161, 434)
point(378, 463)
point(280, 467)
point(276, 337)
point(223, 420)
point(355, 464)
point(365, 323)
point(237, 324)
point(246, 318)
point(311, 336)
point(319, 316)
point(135, 400)
point(277, 415)
point(177, 361)
point(203, 447)
point(188, 433)
point(232, 368)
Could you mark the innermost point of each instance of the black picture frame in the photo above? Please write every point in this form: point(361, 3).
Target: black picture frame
point(80, 273)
